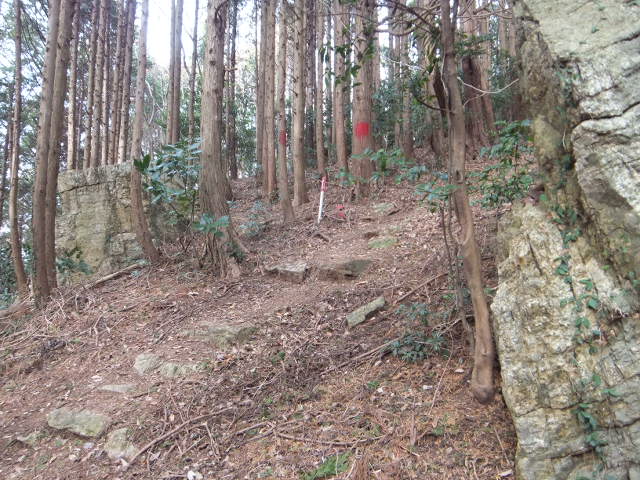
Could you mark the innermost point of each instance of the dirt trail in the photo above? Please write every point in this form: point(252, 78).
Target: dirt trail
point(290, 392)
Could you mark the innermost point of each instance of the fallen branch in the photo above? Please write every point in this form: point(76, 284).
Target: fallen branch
point(423, 284)
point(361, 356)
point(327, 442)
point(113, 275)
point(170, 433)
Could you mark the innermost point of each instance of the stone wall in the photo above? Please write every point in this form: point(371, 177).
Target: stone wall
point(566, 317)
point(95, 217)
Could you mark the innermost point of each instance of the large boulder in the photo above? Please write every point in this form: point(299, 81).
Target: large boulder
point(566, 317)
point(95, 220)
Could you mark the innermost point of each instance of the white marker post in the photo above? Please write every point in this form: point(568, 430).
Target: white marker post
point(323, 188)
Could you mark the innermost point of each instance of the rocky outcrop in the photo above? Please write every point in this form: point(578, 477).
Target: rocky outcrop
point(94, 224)
point(566, 317)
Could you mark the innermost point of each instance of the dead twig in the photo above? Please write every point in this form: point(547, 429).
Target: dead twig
point(361, 356)
point(423, 284)
point(170, 433)
point(327, 442)
point(113, 275)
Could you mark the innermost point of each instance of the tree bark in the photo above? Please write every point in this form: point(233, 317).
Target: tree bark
point(48, 146)
point(173, 123)
point(213, 175)
point(116, 86)
point(407, 131)
point(299, 187)
point(283, 182)
point(482, 376)
point(340, 24)
point(192, 78)
point(137, 209)
point(96, 136)
point(362, 101)
point(106, 93)
point(42, 288)
point(321, 160)
point(260, 99)
point(16, 241)
point(57, 127)
point(72, 115)
point(123, 130)
point(232, 161)
point(268, 136)
point(95, 27)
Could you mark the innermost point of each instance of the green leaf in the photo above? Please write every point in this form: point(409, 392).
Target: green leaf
point(593, 303)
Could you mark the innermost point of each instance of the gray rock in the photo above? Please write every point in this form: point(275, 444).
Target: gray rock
point(119, 445)
point(541, 361)
point(383, 242)
point(31, 439)
point(222, 335)
point(346, 269)
point(96, 218)
point(147, 363)
point(173, 370)
point(81, 422)
point(361, 314)
point(294, 272)
point(122, 388)
point(385, 208)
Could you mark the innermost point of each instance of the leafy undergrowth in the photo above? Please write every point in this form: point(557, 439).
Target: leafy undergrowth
point(304, 398)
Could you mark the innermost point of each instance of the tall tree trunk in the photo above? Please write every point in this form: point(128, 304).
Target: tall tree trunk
point(328, 100)
point(260, 99)
point(57, 127)
point(192, 79)
point(173, 123)
point(341, 23)
point(213, 175)
point(137, 209)
point(42, 288)
point(95, 27)
point(96, 136)
point(362, 100)
point(122, 18)
point(72, 115)
point(6, 160)
point(310, 74)
point(482, 376)
point(319, 124)
point(283, 182)
point(48, 146)
point(299, 187)
point(268, 140)
point(123, 130)
point(407, 132)
point(106, 94)
point(232, 161)
point(16, 241)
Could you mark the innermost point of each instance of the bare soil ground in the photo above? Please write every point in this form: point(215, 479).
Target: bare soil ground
point(304, 387)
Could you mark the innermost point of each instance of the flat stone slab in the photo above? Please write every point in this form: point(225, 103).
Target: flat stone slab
point(346, 269)
point(122, 388)
point(361, 314)
point(294, 272)
point(81, 422)
point(119, 445)
point(146, 363)
point(222, 335)
point(31, 439)
point(174, 370)
point(385, 208)
point(383, 242)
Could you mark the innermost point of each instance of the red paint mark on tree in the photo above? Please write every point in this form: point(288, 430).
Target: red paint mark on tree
point(363, 129)
point(283, 138)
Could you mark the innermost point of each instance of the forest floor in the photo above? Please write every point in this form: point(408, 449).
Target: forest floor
point(301, 395)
